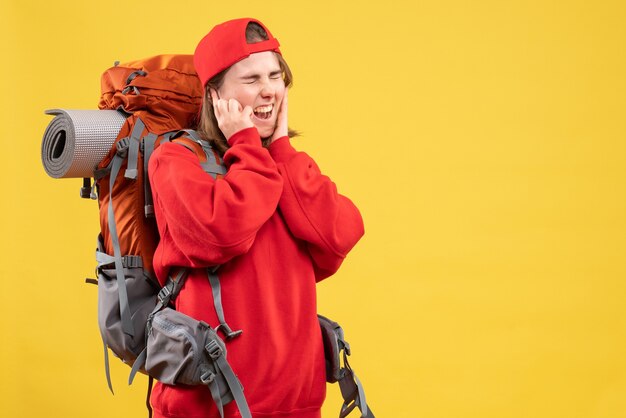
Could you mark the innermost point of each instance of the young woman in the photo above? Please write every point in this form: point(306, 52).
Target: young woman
point(274, 224)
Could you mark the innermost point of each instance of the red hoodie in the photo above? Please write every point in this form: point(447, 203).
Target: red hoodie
point(276, 226)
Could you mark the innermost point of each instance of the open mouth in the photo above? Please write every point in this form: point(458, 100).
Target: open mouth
point(264, 112)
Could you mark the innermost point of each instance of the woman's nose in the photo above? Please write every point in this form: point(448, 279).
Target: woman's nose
point(267, 90)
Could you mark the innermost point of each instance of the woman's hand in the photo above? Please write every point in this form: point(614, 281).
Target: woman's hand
point(231, 117)
point(281, 121)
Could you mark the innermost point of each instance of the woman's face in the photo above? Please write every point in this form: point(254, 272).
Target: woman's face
point(256, 81)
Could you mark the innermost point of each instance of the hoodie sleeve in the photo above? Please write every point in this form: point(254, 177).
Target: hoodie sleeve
point(202, 221)
point(313, 209)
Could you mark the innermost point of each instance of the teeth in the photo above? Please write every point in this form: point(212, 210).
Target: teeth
point(264, 109)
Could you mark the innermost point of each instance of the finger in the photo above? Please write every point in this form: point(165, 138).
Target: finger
point(222, 106)
point(215, 102)
point(282, 112)
point(247, 111)
point(234, 105)
point(283, 107)
point(213, 95)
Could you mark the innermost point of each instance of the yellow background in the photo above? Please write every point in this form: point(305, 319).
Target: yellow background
point(483, 141)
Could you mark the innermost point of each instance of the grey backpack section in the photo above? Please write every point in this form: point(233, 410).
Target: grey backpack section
point(337, 348)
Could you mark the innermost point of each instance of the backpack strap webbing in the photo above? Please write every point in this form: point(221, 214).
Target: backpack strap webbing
point(148, 147)
point(107, 368)
point(352, 392)
point(116, 164)
point(192, 134)
point(133, 153)
point(210, 160)
point(149, 392)
point(218, 356)
point(128, 261)
point(216, 290)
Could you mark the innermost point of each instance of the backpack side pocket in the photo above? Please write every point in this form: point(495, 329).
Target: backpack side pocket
point(142, 299)
point(183, 350)
point(331, 334)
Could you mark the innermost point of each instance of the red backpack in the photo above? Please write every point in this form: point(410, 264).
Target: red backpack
point(161, 96)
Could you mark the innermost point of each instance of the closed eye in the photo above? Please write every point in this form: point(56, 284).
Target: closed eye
point(251, 79)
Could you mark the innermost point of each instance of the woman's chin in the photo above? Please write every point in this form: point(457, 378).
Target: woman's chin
point(265, 131)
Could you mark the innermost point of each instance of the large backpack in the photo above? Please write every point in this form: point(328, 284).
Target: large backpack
point(160, 97)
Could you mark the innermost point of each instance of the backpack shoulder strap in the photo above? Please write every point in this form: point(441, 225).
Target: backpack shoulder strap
point(148, 143)
point(122, 147)
point(210, 160)
point(216, 290)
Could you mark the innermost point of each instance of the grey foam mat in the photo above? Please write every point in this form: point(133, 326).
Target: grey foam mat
point(75, 141)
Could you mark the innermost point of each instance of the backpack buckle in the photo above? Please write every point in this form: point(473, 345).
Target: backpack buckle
point(164, 295)
point(134, 74)
point(213, 349)
point(130, 78)
point(227, 331)
point(85, 191)
point(129, 88)
point(207, 377)
point(345, 346)
point(132, 261)
point(122, 146)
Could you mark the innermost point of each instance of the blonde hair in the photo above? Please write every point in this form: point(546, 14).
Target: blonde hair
point(207, 123)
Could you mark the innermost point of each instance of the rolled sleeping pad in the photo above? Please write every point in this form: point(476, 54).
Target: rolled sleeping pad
point(75, 141)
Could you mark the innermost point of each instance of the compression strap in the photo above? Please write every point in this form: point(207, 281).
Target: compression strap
point(127, 325)
point(216, 290)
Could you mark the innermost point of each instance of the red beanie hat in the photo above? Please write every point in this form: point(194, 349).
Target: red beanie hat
point(225, 45)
